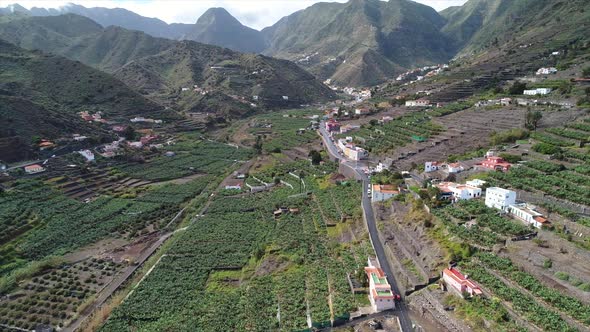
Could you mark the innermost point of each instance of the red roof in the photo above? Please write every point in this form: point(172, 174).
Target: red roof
point(31, 167)
point(540, 219)
point(459, 277)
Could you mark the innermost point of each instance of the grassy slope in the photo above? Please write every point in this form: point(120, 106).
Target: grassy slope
point(42, 94)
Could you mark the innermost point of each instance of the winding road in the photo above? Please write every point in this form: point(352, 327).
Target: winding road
point(402, 310)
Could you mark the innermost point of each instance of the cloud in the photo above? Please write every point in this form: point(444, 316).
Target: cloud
point(254, 13)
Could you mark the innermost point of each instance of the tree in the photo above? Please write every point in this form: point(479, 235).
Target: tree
point(258, 144)
point(586, 72)
point(129, 133)
point(532, 119)
point(517, 88)
point(315, 156)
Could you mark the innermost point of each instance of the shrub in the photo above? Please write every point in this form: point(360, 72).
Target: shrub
point(562, 276)
point(546, 148)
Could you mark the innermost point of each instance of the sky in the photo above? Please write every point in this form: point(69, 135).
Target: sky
point(253, 13)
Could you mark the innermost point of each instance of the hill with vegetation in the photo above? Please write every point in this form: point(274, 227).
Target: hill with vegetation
point(226, 81)
point(218, 27)
point(40, 96)
point(480, 24)
point(361, 42)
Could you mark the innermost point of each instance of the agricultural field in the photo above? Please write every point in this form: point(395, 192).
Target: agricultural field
point(191, 156)
point(469, 231)
point(53, 298)
point(280, 130)
point(239, 268)
point(37, 220)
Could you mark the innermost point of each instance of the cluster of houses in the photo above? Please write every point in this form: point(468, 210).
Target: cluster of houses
point(380, 294)
point(96, 117)
point(350, 150)
point(494, 102)
point(359, 95)
point(429, 70)
point(143, 141)
point(196, 89)
point(505, 201)
point(451, 168)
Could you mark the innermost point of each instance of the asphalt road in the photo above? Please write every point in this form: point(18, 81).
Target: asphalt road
point(401, 308)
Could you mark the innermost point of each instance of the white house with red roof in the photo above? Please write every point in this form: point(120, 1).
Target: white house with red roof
point(459, 283)
point(528, 214)
point(382, 192)
point(380, 294)
point(33, 169)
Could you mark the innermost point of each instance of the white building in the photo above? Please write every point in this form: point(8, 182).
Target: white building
point(500, 198)
point(87, 154)
point(431, 166)
point(476, 183)
point(539, 91)
point(382, 192)
point(33, 169)
point(459, 191)
point(351, 151)
point(546, 71)
point(380, 294)
point(455, 168)
point(380, 167)
point(527, 213)
point(418, 103)
point(459, 283)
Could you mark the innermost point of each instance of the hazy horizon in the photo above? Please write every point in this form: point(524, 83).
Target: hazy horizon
point(256, 14)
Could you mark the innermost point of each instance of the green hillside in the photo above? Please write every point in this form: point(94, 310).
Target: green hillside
point(161, 67)
point(217, 27)
point(361, 42)
point(480, 24)
point(40, 95)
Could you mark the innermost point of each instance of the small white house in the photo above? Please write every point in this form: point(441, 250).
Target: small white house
point(500, 198)
point(539, 91)
point(527, 213)
point(476, 183)
point(455, 168)
point(33, 169)
point(431, 166)
point(383, 192)
point(87, 154)
point(546, 71)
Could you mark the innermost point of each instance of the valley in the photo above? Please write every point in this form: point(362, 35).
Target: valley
point(160, 177)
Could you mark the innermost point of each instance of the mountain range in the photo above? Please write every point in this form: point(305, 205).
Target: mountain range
point(162, 68)
point(361, 42)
